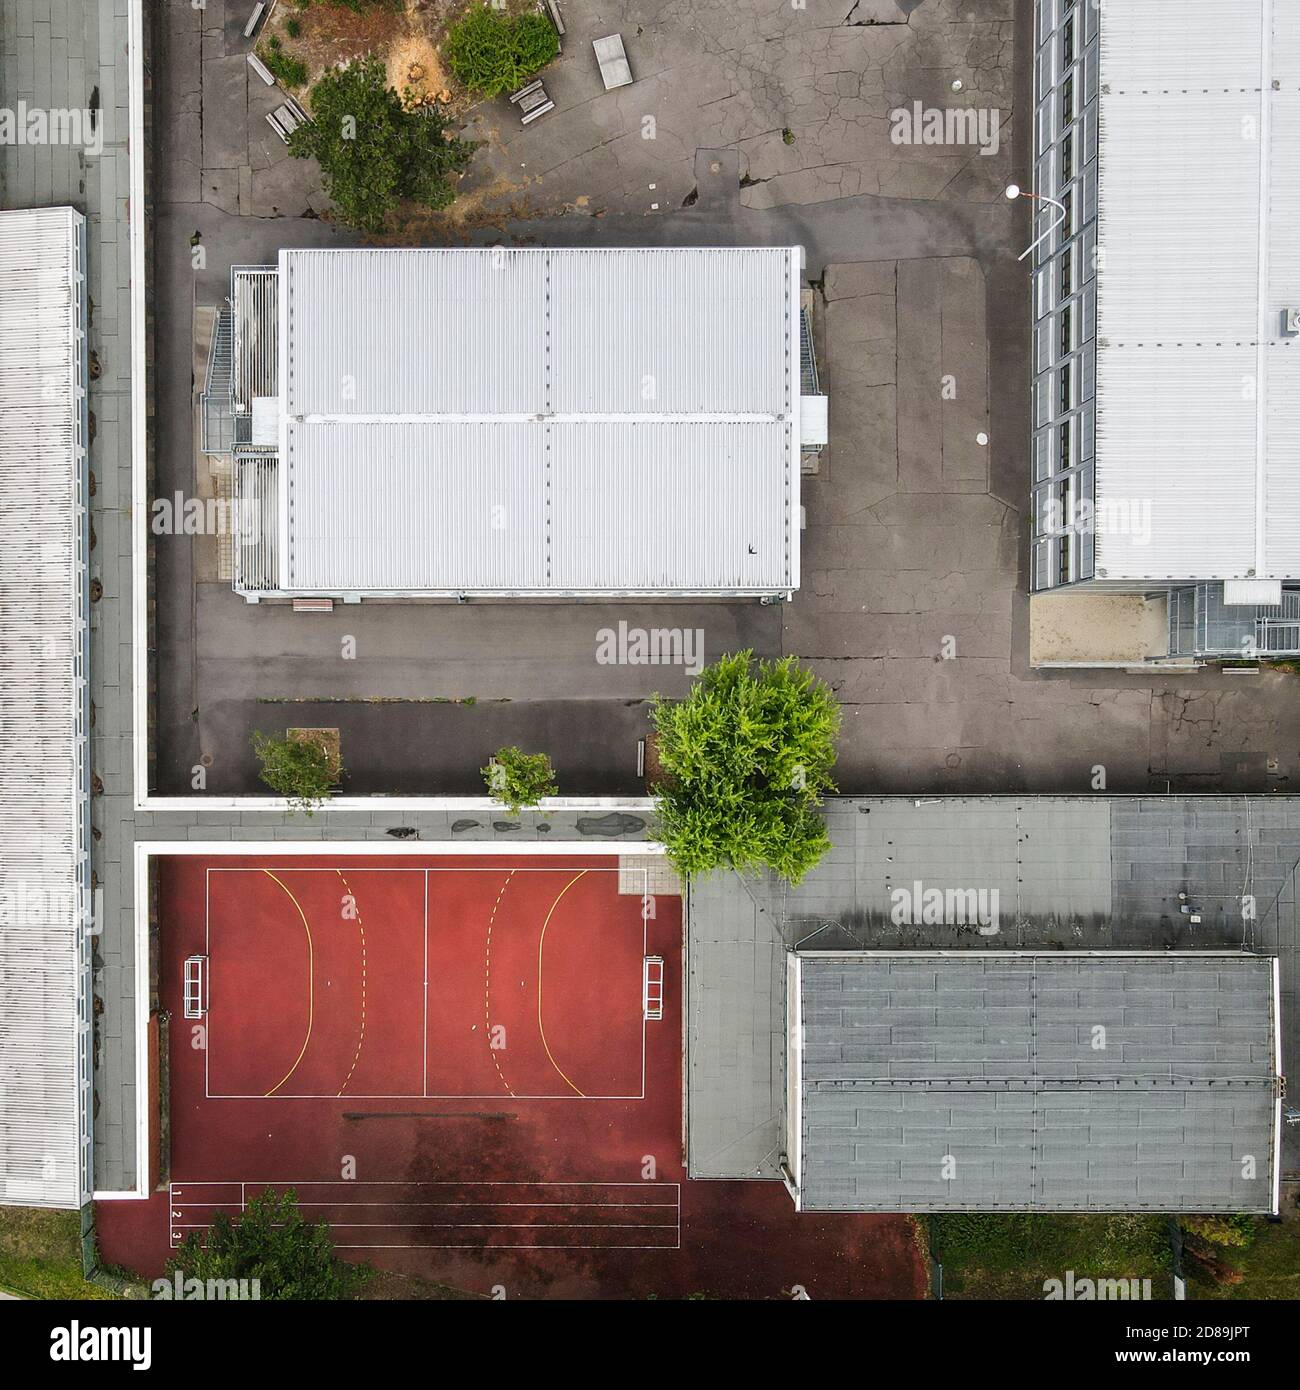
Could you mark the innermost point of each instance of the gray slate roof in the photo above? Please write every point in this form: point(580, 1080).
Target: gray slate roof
point(989, 1061)
point(1073, 873)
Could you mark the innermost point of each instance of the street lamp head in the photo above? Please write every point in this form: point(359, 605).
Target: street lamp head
point(1013, 191)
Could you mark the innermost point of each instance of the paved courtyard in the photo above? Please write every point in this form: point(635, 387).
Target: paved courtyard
point(912, 602)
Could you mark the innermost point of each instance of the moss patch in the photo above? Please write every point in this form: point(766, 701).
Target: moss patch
point(40, 1255)
point(1013, 1254)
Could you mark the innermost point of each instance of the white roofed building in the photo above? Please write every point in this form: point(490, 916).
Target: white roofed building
point(518, 423)
point(45, 1024)
point(1166, 309)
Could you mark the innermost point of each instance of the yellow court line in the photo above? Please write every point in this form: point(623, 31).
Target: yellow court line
point(311, 986)
point(540, 941)
point(487, 984)
point(356, 1057)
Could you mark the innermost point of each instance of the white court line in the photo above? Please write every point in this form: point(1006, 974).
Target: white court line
point(178, 1205)
point(353, 1183)
point(425, 1093)
point(432, 869)
point(415, 1095)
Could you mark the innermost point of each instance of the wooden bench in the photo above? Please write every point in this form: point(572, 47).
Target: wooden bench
point(255, 19)
point(260, 68)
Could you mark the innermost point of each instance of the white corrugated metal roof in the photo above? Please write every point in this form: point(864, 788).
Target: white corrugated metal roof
point(1198, 191)
point(380, 332)
point(639, 506)
point(532, 422)
point(44, 1032)
point(413, 506)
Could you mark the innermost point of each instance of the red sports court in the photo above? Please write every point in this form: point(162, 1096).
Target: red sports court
point(471, 1067)
point(434, 983)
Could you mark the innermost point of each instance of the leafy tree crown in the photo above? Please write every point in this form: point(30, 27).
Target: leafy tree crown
point(302, 770)
point(518, 779)
point(748, 758)
point(372, 151)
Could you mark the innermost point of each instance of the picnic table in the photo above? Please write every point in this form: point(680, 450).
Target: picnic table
point(615, 70)
point(532, 101)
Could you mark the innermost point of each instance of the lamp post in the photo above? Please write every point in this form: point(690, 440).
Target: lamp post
point(1014, 191)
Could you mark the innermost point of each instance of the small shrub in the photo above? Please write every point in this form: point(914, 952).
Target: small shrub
point(301, 769)
point(1235, 1228)
point(492, 52)
point(536, 43)
point(287, 70)
point(269, 1241)
point(293, 27)
point(519, 779)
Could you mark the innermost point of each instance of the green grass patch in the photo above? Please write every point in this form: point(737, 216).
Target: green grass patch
point(40, 1255)
point(1013, 1254)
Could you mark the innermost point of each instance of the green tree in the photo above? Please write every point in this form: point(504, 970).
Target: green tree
point(304, 770)
point(492, 51)
point(747, 758)
point(519, 779)
point(291, 1258)
point(373, 151)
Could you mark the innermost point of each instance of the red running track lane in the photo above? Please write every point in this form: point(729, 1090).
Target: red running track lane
point(482, 1145)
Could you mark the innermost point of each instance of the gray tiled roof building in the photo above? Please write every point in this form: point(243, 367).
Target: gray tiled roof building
point(1015, 1081)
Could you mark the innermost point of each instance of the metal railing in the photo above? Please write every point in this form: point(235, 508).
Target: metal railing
point(216, 407)
point(808, 384)
point(255, 553)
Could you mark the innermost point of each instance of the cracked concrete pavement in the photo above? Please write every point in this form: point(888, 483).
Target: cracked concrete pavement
point(802, 92)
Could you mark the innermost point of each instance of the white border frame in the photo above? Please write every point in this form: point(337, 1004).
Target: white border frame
point(269, 850)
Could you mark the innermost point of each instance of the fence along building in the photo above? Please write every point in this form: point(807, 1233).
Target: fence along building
point(517, 423)
point(45, 1026)
point(1166, 363)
